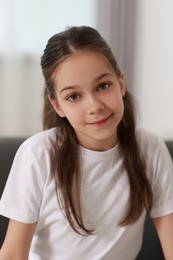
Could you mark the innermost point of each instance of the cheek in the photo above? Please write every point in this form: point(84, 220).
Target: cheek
point(116, 103)
point(73, 114)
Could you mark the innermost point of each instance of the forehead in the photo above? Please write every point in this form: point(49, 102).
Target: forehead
point(80, 66)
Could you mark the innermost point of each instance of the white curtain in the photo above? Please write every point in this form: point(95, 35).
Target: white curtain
point(116, 20)
point(141, 36)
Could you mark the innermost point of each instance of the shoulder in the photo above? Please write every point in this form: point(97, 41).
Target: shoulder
point(159, 171)
point(33, 158)
point(41, 140)
point(36, 149)
point(148, 139)
point(153, 147)
point(155, 152)
point(29, 176)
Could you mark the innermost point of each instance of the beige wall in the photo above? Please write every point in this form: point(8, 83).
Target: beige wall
point(153, 65)
point(139, 32)
point(25, 27)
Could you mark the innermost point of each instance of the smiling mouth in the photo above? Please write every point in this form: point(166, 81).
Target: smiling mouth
point(101, 121)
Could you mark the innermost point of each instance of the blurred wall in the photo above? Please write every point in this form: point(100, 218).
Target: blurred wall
point(140, 34)
point(25, 27)
point(153, 58)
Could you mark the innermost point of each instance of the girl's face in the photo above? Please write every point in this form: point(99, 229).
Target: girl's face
point(89, 95)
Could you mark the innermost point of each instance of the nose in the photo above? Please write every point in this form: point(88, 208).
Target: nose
point(94, 105)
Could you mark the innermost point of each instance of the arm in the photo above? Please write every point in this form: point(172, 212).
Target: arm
point(17, 242)
point(164, 227)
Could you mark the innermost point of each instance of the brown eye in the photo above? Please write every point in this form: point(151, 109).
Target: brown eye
point(104, 86)
point(73, 97)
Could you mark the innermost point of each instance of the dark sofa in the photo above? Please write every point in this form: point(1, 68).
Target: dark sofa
point(151, 248)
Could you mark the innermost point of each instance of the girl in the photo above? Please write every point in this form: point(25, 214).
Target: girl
point(81, 188)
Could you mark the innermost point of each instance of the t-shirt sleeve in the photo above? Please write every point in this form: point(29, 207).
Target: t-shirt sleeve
point(162, 181)
point(22, 195)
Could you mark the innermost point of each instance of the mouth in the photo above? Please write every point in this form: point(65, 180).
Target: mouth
point(100, 121)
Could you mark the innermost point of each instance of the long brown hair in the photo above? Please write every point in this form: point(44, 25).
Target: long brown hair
point(65, 153)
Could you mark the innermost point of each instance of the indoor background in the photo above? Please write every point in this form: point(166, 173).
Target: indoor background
point(140, 34)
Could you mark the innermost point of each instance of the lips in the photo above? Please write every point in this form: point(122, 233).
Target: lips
point(100, 121)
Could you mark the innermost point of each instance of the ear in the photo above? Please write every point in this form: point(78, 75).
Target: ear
point(122, 84)
point(56, 107)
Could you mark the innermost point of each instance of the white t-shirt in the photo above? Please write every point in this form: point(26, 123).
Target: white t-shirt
point(30, 196)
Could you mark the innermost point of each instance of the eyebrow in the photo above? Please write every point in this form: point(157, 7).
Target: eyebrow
point(95, 80)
